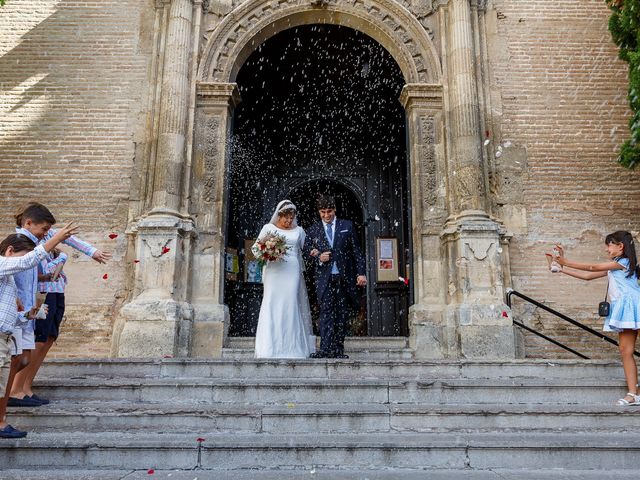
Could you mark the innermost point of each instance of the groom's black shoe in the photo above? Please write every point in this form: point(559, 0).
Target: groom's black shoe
point(319, 354)
point(340, 355)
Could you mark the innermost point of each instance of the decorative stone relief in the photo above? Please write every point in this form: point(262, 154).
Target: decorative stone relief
point(219, 7)
point(419, 54)
point(421, 8)
point(211, 138)
point(428, 163)
point(157, 247)
point(480, 249)
point(468, 185)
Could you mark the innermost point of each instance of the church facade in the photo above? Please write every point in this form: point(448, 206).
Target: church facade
point(504, 121)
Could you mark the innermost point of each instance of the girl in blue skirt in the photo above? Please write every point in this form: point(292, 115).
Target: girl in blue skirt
point(624, 295)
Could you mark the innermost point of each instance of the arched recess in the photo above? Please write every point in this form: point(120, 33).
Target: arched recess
point(390, 24)
point(240, 33)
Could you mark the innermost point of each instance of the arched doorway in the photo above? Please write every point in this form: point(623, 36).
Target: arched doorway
point(320, 110)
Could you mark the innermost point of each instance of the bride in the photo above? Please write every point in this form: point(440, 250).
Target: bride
point(284, 325)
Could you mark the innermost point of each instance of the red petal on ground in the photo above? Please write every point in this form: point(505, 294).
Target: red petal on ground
point(165, 250)
point(151, 471)
point(113, 235)
point(136, 261)
point(105, 276)
point(505, 314)
point(199, 439)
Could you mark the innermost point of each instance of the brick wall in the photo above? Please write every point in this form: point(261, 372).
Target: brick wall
point(563, 99)
point(72, 93)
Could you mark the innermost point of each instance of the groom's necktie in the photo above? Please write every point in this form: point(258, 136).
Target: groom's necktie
point(330, 233)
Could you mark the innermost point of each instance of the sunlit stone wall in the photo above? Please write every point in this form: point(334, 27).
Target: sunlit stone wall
point(560, 112)
point(72, 92)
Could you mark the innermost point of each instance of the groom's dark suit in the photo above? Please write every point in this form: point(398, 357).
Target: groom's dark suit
point(335, 289)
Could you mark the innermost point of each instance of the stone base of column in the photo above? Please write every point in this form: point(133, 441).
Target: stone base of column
point(430, 337)
point(483, 333)
point(158, 321)
point(209, 331)
point(476, 272)
point(154, 328)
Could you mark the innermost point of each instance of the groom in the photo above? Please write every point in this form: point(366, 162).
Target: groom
point(339, 268)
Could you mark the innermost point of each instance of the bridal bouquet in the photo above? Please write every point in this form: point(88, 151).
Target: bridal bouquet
point(271, 248)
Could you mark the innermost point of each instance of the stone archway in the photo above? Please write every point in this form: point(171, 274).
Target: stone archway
point(454, 313)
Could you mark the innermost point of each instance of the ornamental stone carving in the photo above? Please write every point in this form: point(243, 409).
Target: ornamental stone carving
point(211, 150)
point(428, 163)
point(387, 21)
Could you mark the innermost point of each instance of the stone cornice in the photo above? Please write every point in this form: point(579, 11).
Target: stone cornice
point(425, 95)
point(218, 93)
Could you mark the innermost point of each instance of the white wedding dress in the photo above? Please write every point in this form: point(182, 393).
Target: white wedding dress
point(284, 325)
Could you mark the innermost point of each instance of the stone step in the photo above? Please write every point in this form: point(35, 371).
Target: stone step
point(481, 451)
point(314, 473)
point(354, 354)
point(321, 418)
point(359, 348)
point(313, 391)
point(251, 368)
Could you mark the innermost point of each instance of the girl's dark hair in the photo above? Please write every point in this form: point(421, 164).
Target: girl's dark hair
point(36, 212)
point(624, 238)
point(19, 242)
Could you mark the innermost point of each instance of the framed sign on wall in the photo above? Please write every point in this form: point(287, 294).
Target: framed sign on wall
point(387, 259)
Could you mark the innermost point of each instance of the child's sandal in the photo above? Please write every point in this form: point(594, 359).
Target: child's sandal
point(623, 402)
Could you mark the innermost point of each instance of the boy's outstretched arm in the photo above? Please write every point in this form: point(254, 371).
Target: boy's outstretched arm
point(83, 247)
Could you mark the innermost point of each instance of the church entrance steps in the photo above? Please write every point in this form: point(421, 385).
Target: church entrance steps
point(359, 348)
point(320, 391)
point(290, 417)
point(314, 473)
point(108, 450)
point(322, 418)
point(175, 368)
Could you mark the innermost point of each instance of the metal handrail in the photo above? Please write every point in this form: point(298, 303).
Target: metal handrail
point(511, 292)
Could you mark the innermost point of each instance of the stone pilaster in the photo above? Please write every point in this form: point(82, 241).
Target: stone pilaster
point(471, 239)
point(158, 320)
point(214, 111)
point(429, 334)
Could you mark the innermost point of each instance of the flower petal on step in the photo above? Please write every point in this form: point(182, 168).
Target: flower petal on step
point(165, 250)
point(113, 236)
point(105, 276)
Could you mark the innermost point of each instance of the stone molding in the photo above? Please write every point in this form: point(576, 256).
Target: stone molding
point(424, 96)
point(386, 21)
point(218, 94)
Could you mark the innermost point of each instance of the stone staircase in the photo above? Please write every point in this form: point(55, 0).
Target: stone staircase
point(355, 418)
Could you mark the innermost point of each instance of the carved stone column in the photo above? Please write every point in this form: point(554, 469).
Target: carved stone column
point(471, 239)
point(174, 100)
point(214, 112)
point(429, 334)
point(158, 320)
